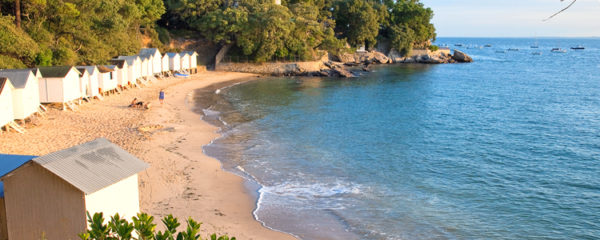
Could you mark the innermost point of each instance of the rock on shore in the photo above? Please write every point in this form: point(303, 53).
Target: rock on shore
point(461, 57)
point(338, 65)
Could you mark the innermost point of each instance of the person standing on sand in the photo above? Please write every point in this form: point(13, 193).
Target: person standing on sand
point(161, 96)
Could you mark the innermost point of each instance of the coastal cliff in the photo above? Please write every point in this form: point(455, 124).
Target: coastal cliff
point(346, 65)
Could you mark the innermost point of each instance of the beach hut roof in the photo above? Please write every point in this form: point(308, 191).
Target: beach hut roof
point(10, 163)
point(191, 53)
point(81, 70)
point(93, 165)
point(172, 54)
point(56, 72)
point(149, 51)
point(129, 59)
point(3, 81)
point(183, 54)
point(18, 77)
point(119, 62)
point(90, 69)
point(105, 68)
point(111, 67)
point(36, 72)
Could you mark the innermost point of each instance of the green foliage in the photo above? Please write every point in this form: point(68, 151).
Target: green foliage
point(10, 62)
point(144, 226)
point(192, 231)
point(68, 32)
point(214, 237)
point(433, 48)
point(98, 230)
point(163, 35)
point(16, 47)
point(409, 25)
point(44, 58)
point(358, 21)
point(121, 229)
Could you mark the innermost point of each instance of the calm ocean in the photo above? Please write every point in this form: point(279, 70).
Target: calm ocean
point(507, 147)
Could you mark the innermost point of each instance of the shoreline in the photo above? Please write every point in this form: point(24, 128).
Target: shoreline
point(181, 180)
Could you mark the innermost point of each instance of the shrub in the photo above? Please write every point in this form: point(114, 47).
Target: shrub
point(433, 48)
point(121, 229)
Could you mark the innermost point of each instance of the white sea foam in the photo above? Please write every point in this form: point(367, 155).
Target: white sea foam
point(313, 190)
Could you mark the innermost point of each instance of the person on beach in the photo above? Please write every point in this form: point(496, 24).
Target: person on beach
point(140, 104)
point(161, 96)
point(133, 103)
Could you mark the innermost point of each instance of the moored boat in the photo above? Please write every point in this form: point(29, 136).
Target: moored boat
point(578, 47)
point(558, 50)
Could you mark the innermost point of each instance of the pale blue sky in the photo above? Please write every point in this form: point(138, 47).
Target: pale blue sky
point(514, 18)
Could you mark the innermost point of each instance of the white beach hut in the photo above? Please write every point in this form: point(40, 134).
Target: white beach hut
point(59, 84)
point(50, 195)
point(93, 77)
point(145, 70)
point(174, 61)
point(107, 80)
point(84, 80)
point(165, 63)
point(193, 61)
point(122, 76)
point(185, 61)
point(6, 104)
point(26, 95)
point(155, 58)
point(134, 65)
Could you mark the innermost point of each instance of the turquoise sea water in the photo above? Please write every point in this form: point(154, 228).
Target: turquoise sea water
point(507, 147)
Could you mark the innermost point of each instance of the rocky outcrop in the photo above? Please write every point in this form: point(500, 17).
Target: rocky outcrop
point(340, 71)
point(441, 56)
point(461, 57)
point(346, 65)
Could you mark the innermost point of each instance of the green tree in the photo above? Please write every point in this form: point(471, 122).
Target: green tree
point(264, 34)
point(357, 21)
point(16, 47)
point(409, 25)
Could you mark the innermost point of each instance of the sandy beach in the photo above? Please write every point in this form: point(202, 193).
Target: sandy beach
point(181, 180)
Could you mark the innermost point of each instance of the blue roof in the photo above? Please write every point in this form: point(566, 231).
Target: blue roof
point(8, 163)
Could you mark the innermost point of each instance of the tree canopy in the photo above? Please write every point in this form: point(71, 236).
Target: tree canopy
point(61, 32)
point(67, 32)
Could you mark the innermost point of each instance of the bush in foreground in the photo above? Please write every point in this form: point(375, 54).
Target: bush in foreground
point(120, 229)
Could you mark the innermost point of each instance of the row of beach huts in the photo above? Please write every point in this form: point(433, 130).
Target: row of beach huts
point(23, 91)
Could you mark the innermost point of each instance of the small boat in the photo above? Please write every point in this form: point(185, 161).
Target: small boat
point(558, 50)
point(536, 44)
point(536, 53)
point(488, 45)
point(513, 49)
point(458, 44)
point(181, 75)
point(500, 51)
point(579, 47)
